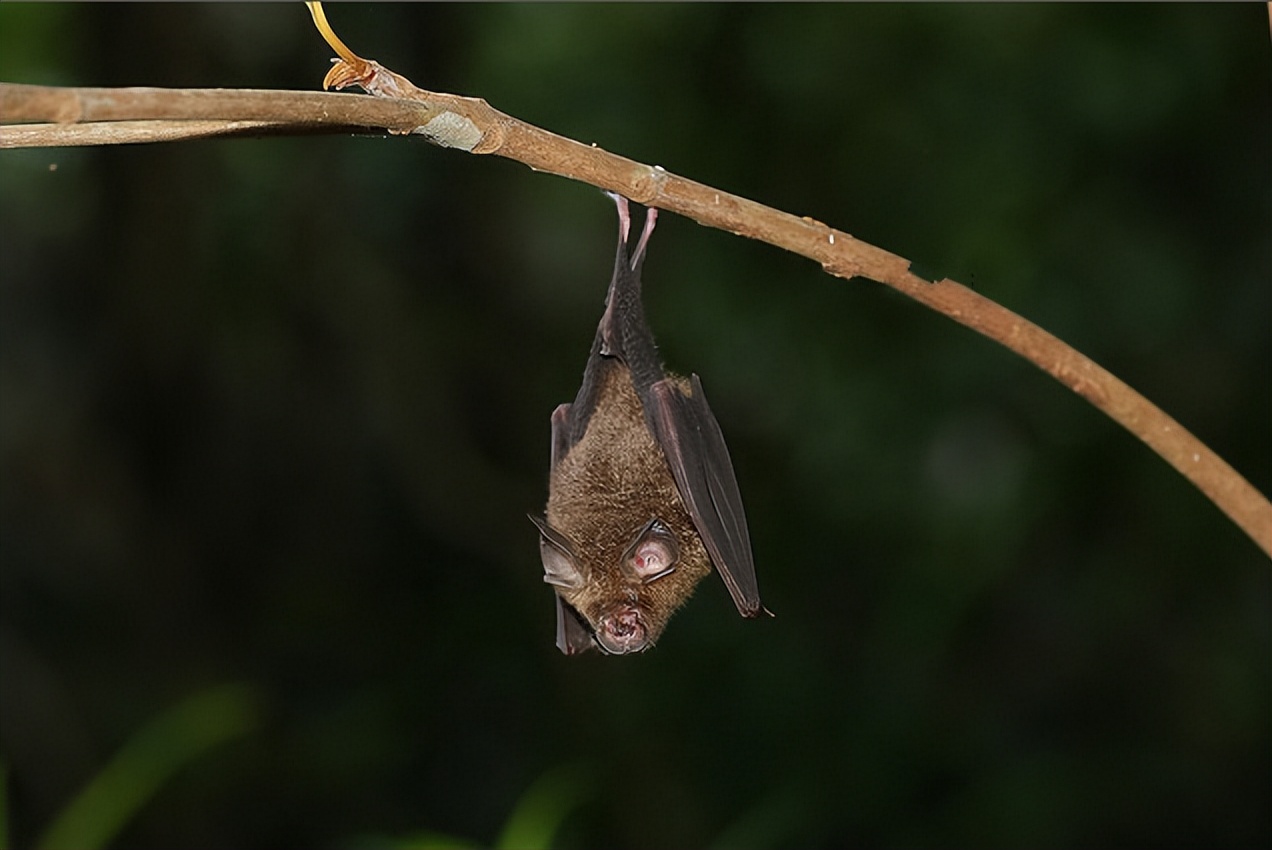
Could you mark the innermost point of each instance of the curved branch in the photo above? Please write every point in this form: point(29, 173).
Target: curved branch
point(113, 116)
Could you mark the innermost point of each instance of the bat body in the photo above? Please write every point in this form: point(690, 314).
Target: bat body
point(642, 497)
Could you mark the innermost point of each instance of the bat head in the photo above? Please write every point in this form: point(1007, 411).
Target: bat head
point(620, 596)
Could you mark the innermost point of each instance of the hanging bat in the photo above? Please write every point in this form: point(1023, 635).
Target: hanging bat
point(642, 500)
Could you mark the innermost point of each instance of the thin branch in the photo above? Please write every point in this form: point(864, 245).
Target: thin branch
point(76, 116)
point(128, 132)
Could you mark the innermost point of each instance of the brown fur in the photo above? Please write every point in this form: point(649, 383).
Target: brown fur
point(603, 492)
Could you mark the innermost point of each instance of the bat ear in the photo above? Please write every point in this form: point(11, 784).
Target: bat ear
point(559, 567)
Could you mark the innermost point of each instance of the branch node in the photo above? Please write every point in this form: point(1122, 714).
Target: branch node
point(450, 130)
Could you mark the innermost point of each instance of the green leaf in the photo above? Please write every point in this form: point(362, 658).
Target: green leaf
point(538, 816)
point(147, 761)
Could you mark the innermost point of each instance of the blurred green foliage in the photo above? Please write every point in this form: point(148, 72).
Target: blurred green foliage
point(147, 761)
point(273, 411)
point(533, 824)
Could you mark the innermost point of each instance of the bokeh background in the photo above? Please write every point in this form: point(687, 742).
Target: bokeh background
point(272, 412)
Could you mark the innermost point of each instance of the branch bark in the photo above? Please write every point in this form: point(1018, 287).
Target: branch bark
point(89, 116)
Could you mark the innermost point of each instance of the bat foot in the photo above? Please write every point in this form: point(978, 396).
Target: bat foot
point(651, 219)
point(624, 216)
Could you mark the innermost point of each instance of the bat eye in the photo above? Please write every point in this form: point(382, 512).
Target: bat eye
point(653, 554)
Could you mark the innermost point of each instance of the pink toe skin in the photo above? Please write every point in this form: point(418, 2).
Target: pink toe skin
point(624, 216)
point(651, 218)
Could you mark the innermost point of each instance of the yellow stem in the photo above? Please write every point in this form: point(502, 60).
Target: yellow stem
point(320, 21)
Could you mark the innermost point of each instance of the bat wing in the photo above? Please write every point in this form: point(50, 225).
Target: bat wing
point(562, 433)
point(572, 636)
point(691, 439)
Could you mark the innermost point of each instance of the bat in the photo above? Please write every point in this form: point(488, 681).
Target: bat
point(642, 499)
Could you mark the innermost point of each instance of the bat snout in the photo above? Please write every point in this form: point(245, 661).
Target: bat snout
point(622, 631)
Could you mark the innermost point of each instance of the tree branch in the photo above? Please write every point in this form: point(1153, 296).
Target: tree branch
point(90, 116)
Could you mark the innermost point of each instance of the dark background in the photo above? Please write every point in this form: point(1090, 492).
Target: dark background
point(273, 411)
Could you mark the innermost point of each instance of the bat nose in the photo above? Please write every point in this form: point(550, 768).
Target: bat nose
point(622, 631)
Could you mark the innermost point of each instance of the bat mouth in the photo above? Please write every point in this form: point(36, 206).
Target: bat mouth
point(622, 631)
